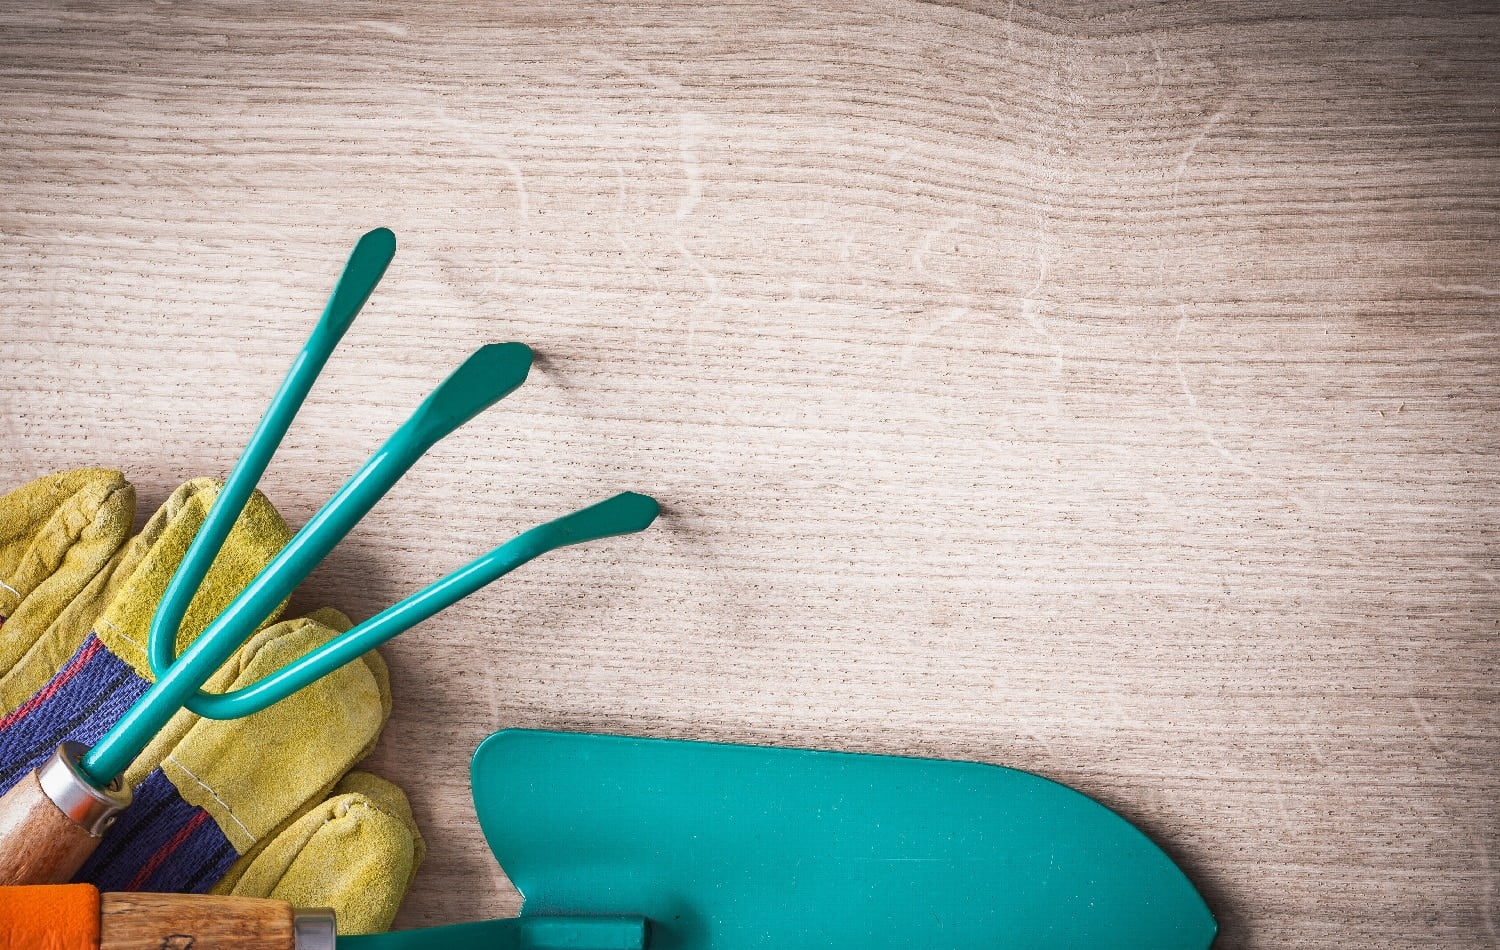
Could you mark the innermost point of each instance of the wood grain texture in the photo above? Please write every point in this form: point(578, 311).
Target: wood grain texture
point(1103, 389)
point(39, 843)
point(139, 921)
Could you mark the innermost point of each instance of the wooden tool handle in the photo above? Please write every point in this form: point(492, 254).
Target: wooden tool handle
point(78, 917)
point(181, 921)
point(51, 820)
point(38, 843)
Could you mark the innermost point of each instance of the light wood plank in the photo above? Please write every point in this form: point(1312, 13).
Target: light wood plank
point(1107, 390)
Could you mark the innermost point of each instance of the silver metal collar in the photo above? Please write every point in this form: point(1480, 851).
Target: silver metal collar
point(314, 929)
point(63, 781)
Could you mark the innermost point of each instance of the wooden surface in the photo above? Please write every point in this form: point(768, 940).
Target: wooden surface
point(1107, 390)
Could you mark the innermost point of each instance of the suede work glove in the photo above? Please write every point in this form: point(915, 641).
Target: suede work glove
point(263, 806)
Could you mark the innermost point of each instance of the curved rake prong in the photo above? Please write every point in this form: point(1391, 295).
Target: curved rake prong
point(625, 513)
point(366, 264)
point(485, 377)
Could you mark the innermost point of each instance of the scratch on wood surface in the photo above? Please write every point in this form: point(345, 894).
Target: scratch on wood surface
point(1284, 490)
point(617, 227)
point(1491, 877)
point(1192, 148)
point(1031, 312)
point(692, 177)
point(1433, 742)
point(1160, 69)
point(382, 26)
point(692, 171)
point(481, 139)
point(924, 247)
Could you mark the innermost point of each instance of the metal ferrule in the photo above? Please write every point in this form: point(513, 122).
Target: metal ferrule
point(314, 929)
point(62, 780)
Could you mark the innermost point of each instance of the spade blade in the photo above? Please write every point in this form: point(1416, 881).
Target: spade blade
point(729, 847)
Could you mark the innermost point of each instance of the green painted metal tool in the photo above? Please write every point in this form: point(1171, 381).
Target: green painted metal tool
point(630, 844)
point(49, 826)
point(655, 844)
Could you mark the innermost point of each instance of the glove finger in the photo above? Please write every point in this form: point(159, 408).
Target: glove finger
point(56, 534)
point(228, 785)
point(257, 536)
point(235, 672)
point(78, 678)
point(356, 852)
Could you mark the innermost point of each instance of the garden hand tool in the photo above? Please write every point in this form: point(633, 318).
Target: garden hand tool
point(732, 847)
point(210, 796)
point(651, 844)
point(80, 917)
point(52, 820)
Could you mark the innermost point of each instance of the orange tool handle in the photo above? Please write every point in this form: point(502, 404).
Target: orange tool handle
point(78, 917)
point(50, 917)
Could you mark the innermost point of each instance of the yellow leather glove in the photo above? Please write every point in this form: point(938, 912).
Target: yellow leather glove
point(262, 806)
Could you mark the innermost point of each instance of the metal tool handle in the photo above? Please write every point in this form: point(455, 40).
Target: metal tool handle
point(531, 932)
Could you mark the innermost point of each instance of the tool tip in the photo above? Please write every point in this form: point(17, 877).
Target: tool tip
point(381, 240)
point(480, 381)
point(634, 510)
point(512, 361)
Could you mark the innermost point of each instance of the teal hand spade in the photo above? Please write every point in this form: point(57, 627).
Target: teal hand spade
point(647, 843)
